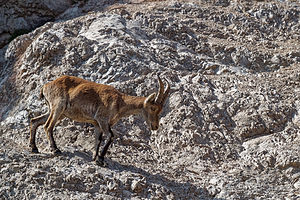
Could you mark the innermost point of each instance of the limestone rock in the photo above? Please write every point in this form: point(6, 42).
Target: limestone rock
point(229, 129)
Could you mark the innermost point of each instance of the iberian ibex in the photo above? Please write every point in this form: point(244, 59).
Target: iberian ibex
point(98, 104)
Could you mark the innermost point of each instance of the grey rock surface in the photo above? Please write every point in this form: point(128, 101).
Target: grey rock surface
point(20, 17)
point(229, 130)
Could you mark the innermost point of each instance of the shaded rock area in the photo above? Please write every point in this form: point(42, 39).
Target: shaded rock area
point(229, 130)
point(20, 17)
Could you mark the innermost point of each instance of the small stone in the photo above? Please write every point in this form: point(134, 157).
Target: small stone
point(137, 186)
point(297, 185)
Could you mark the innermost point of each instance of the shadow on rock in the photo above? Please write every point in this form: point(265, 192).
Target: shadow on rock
point(179, 189)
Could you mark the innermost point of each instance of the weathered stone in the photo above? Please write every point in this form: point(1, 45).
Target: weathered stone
point(229, 130)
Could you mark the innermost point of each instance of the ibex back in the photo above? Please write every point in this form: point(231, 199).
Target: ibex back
point(98, 104)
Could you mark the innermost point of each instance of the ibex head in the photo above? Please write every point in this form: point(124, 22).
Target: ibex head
point(153, 105)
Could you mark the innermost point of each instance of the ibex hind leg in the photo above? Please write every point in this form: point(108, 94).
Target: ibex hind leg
point(55, 115)
point(34, 124)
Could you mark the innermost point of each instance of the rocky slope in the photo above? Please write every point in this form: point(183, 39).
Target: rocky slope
point(230, 129)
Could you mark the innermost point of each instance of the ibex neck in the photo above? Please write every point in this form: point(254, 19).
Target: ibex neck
point(133, 105)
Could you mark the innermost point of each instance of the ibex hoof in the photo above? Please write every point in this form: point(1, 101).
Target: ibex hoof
point(99, 161)
point(56, 152)
point(34, 150)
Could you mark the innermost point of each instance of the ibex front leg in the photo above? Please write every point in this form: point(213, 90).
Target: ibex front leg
point(98, 139)
point(106, 128)
point(108, 142)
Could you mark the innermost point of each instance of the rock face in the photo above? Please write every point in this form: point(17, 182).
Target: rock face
point(20, 17)
point(230, 129)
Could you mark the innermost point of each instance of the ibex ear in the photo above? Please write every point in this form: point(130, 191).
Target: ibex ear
point(150, 98)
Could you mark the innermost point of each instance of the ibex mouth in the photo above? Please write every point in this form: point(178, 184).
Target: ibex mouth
point(154, 128)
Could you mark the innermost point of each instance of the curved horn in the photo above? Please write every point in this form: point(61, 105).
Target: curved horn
point(161, 89)
point(150, 98)
point(166, 93)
